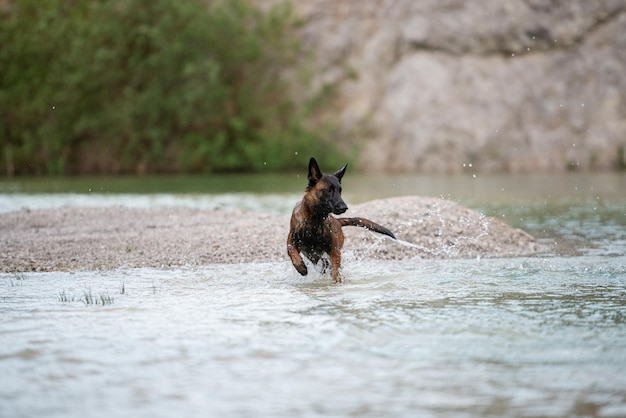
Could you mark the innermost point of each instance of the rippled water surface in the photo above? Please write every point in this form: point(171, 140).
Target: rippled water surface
point(539, 336)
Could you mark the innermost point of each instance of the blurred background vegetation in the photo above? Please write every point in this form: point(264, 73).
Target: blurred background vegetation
point(155, 86)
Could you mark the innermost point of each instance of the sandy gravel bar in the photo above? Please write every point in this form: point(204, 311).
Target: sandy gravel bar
point(77, 238)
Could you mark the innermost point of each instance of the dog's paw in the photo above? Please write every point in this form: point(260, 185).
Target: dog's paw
point(301, 269)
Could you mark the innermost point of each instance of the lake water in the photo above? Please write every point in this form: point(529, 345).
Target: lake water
point(539, 336)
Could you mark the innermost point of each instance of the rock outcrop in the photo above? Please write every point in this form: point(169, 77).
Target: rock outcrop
point(451, 86)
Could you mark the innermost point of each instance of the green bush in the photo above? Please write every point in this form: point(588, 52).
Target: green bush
point(119, 86)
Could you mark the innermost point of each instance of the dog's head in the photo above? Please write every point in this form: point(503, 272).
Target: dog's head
point(326, 189)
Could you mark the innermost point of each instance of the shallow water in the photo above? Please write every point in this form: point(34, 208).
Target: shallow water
point(539, 336)
point(514, 337)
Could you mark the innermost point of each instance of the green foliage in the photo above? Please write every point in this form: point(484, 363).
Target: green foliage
point(117, 86)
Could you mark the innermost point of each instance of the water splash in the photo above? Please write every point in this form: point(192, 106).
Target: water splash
point(434, 233)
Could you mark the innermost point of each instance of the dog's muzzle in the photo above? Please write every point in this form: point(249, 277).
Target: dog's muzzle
point(340, 208)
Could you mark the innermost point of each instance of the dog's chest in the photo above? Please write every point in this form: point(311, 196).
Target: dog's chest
point(315, 238)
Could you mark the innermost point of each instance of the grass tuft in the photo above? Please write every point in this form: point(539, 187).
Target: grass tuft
point(64, 297)
point(88, 298)
point(91, 299)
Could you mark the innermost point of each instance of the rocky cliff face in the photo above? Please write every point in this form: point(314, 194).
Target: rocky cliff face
point(454, 85)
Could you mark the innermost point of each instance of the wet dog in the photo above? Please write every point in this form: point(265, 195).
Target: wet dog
point(314, 232)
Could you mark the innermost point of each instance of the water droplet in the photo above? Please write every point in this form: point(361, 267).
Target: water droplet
point(295, 153)
point(513, 54)
point(582, 105)
point(474, 175)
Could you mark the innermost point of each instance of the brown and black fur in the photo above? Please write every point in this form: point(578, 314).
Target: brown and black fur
point(314, 232)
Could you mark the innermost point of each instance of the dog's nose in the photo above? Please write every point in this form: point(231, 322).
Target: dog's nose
point(340, 208)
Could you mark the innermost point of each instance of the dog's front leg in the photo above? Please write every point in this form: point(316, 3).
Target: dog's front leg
point(335, 261)
point(296, 258)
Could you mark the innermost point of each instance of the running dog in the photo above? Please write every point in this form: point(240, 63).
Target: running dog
point(313, 231)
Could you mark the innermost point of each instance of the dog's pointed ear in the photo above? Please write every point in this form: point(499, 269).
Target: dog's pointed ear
point(339, 174)
point(315, 174)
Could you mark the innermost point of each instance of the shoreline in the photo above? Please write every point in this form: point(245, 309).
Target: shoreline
point(107, 238)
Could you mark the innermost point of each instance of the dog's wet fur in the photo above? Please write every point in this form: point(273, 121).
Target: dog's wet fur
point(314, 232)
